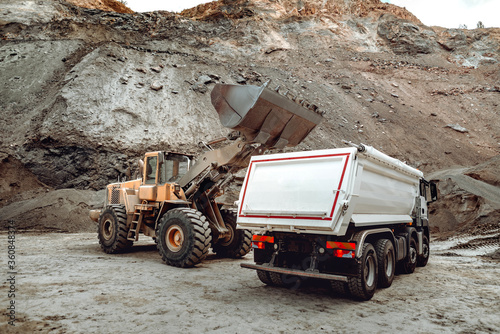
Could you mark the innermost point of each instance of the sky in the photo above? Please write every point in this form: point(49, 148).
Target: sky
point(443, 13)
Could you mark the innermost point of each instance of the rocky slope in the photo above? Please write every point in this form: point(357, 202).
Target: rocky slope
point(85, 92)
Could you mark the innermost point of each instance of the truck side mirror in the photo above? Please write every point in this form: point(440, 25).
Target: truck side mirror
point(434, 194)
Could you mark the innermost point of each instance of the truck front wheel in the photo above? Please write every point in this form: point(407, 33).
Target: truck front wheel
point(183, 237)
point(364, 284)
point(386, 262)
point(424, 258)
point(112, 230)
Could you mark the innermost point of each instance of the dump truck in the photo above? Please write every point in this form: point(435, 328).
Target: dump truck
point(176, 199)
point(352, 216)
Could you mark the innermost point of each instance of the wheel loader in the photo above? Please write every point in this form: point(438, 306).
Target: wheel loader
point(175, 200)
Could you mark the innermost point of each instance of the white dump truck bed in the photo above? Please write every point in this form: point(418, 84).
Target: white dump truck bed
point(323, 191)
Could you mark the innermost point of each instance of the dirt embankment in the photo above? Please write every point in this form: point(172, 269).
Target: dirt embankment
point(106, 5)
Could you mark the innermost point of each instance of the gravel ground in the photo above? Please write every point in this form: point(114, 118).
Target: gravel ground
point(66, 284)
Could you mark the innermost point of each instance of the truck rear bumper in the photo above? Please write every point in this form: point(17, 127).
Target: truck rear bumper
point(295, 272)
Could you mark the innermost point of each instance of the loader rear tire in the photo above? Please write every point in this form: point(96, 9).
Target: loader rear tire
point(363, 285)
point(112, 230)
point(386, 262)
point(238, 243)
point(424, 258)
point(183, 237)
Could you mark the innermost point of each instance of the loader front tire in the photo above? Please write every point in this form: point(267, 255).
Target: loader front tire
point(237, 243)
point(183, 237)
point(112, 230)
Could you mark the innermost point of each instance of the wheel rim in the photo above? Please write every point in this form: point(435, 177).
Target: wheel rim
point(107, 229)
point(413, 255)
point(389, 262)
point(425, 251)
point(369, 271)
point(174, 238)
point(229, 237)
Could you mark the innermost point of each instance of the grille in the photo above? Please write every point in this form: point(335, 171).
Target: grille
point(115, 195)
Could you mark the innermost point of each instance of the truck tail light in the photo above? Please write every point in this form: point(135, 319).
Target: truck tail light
point(342, 249)
point(343, 253)
point(259, 241)
point(258, 245)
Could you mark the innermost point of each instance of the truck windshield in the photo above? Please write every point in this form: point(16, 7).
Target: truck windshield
point(174, 167)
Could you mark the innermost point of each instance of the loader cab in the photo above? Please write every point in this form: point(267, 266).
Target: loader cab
point(165, 167)
point(161, 172)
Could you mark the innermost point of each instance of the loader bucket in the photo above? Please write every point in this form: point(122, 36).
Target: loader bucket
point(263, 115)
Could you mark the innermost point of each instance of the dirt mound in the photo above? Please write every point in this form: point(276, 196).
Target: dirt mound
point(17, 182)
point(469, 200)
point(488, 172)
point(106, 5)
point(65, 210)
point(284, 9)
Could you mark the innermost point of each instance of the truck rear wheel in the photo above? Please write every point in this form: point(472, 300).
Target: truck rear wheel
point(183, 237)
point(237, 243)
point(276, 278)
point(386, 262)
point(112, 230)
point(424, 258)
point(409, 264)
point(339, 288)
point(285, 280)
point(364, 284)
point(264, 277)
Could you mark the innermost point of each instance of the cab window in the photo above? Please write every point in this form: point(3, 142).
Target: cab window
point(151, 170)
point(176, 166)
